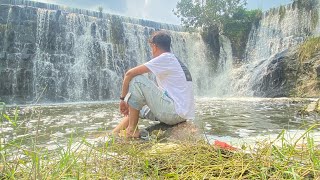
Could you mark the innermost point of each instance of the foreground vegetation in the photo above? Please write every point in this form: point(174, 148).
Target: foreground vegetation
point(116, 158)
point(133, 159)
point(136, 160)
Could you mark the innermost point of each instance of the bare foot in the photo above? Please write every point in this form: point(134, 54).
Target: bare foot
point(115, 132)
point(129, 134)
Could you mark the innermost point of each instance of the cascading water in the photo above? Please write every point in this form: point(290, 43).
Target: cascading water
point(66, 55)
point(59, 54)
point(280, 29)
point(221, 80)
point(190, 49)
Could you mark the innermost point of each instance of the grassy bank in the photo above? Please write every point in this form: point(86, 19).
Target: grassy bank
point(133, 159)
point(115, 158)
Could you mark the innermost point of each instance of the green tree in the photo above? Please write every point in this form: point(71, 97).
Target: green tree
point(238, 27)
point(206, 13)
point(214, 17)
point(100, 9)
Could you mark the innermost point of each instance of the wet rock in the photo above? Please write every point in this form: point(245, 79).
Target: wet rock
point(185, 131)
point(311, 107)
point(286, 76)
point(280, 75)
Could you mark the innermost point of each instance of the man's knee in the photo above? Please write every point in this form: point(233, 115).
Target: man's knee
point(136, 98)
point(139, 79)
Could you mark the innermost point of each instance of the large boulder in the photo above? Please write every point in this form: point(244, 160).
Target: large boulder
point(279, 77)
point(287, 76)
point(185, 131)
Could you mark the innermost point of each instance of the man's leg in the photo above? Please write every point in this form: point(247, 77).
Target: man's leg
point(121, 126)
point(129, 124)
point(132, 129)
point(144, 113)
point(142, 92)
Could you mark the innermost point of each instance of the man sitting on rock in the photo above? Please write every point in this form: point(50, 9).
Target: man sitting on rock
point(170, 102)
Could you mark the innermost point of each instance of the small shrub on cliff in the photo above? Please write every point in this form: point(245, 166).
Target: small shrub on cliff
point(309, 48)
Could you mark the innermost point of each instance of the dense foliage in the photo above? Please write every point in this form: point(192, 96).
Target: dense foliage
point(206, 13)
point(238, 27)
point(228, 17)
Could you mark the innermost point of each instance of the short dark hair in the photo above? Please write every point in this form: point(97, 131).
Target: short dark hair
point(161, 39)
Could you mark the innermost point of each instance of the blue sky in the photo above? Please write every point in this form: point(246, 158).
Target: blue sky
point(156, 10)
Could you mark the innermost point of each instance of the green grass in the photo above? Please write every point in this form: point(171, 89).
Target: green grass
point(135, 160)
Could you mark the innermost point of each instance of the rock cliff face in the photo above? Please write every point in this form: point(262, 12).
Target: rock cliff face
point(57, 54)
point(287, 76)
point(280, 75)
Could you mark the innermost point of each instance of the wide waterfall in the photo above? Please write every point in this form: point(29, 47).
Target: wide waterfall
point(50, 53)
point(279, 30)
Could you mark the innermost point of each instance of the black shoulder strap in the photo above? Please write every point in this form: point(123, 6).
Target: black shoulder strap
point(185, 70)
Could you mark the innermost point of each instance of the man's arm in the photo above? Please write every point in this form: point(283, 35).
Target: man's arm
point(129, 75)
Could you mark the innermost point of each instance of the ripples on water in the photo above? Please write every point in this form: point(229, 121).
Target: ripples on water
point(219, 118)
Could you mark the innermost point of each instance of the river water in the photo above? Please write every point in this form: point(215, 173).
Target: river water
point(228, 119)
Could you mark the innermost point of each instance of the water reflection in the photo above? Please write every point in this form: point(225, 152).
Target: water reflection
point(223, 118)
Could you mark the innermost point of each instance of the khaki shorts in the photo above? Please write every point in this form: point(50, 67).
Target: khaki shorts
point(153, 103)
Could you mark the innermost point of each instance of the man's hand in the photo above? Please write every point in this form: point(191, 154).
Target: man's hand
point(124, 108)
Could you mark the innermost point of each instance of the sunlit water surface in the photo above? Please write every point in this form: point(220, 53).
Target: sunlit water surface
point(238, 119)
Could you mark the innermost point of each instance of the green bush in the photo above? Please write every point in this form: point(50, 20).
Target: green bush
point(238, 27)
point(309, 48)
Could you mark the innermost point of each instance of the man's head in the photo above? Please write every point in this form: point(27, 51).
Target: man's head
point(162, 40)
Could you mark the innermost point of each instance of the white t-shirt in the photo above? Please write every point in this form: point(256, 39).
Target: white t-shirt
point(174, 78)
